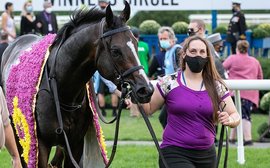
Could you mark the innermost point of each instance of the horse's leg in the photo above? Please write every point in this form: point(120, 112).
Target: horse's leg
point(77, 150)
point(43, 156)
point(58, 158)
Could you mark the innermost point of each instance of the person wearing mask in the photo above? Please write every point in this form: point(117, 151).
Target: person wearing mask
point(218, 44)
point(46, 20)
point(197, 27)
point(237, 26)
point(28, 24)
point(156, 67)
point(8, 24)
point(167, 41)
point(7, 138)
point(243, 66)
point(103, 4)
point(196, 98)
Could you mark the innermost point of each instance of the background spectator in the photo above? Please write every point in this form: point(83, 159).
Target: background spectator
point(237, 26)
point(156, 66)
point(100, 85)
point(6, 133)
point(28, 24)
point(167, 41)
point(8, 25)
point(46, 20)
point(103, 4)
point(243, 66)
point(218, 44)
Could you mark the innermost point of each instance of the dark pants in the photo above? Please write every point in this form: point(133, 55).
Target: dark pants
point(177, 157)
point(233, 47)
point(247, 107)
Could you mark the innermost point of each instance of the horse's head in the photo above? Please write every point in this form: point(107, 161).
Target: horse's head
point(117, 58)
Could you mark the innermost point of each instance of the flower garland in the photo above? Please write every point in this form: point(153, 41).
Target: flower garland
point(22, 129)
point(99, 131)
point(21, 89)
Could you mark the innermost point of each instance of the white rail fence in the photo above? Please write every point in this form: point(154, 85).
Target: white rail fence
point(238, 85)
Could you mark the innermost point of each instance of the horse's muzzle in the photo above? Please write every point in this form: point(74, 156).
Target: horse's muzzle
point(142, 93)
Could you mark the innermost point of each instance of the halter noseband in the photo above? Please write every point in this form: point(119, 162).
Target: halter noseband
point(110, 33)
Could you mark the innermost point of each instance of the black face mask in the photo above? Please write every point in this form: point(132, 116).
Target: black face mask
point(234, 10)
point(102, 7)
point(196, 64)
point(191, 32)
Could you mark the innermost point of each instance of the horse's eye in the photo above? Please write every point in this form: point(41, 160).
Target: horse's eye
point(116, 52)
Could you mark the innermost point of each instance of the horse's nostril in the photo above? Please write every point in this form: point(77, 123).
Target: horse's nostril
point(144, 92)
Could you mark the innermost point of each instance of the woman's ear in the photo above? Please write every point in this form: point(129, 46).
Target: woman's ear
point(184, 55)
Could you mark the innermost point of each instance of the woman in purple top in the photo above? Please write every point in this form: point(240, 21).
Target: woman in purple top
point(193, 97)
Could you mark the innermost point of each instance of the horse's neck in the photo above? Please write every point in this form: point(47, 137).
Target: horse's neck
point(75, 63)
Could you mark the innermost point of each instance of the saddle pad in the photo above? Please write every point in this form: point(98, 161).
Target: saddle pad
point(22, 85)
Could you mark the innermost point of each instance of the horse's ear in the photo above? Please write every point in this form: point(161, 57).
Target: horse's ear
point(126, 12)
point(109, 16)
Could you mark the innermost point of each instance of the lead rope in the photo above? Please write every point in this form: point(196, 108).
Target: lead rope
point(220, 144)
point(118, 115)
point(151, 130)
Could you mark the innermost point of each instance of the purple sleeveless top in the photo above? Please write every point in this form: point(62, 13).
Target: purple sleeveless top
point(190, 114)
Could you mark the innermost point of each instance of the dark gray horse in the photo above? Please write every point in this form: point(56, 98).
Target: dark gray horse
point(92, 40)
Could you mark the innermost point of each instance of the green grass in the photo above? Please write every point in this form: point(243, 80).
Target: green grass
point(146, 156)
point(132, 156)
point(132, 128)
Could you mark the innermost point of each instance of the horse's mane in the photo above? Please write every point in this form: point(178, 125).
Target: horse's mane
point(77, 18)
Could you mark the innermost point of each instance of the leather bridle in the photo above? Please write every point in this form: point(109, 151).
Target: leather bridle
point(110, 33)
point(126, 91)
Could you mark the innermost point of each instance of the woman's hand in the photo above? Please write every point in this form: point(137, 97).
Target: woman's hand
point(16, 162)
point(128, 103)
point(225, 119)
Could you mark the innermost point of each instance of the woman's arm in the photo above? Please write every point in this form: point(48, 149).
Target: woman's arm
point(155, 103)
point(4, 22)
point(11, 147)
point(4, 25)
point(229, 116)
